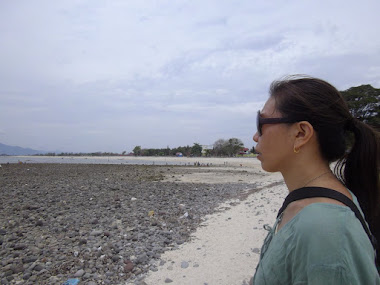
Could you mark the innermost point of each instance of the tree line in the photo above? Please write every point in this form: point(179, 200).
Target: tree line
point(221, 147)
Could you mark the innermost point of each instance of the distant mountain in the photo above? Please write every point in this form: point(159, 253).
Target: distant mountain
point(16, 150)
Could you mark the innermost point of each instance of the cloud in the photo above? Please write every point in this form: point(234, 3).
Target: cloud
point(90, 76)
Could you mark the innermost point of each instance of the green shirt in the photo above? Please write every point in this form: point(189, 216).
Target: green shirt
point(323, 244)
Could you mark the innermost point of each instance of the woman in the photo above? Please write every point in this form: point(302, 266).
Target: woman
point(302, 128)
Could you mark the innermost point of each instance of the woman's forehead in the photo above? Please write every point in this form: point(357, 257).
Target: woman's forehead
point(269, 108)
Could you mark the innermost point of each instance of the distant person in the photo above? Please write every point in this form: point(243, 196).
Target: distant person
point(317, 238)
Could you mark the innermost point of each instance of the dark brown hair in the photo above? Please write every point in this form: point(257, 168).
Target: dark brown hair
point(310, 99)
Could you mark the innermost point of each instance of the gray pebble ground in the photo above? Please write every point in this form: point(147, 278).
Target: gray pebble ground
point(103, 224)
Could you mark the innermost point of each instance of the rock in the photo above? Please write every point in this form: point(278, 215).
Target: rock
point(184, 264)
point(53, 280)
point(3, 232)
point(26, 275)
point(20, 247)
point(168, 280)
point(79, 273)
point(94, 221)
point(142, 258)
point(7, 273)
point(82, 241)
point(256, 250)
point(128, 267)
point(96, 233)
point(29, 259)
point(17, 268)
point(38, 267)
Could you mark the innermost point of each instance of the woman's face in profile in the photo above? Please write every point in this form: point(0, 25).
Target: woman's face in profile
point(274, 146)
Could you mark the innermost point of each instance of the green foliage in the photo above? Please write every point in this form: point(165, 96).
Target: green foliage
point(364, 103)
point(196, 150)
point(137, 150)
point(230, 147)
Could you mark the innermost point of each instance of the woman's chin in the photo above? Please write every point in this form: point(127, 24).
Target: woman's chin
point(267, 167)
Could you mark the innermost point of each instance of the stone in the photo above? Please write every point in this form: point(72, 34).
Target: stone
point(79, 273)
point(20, 247)
point(184, 264)
point(128, 267)
point(96, 233)
point(168, 280)
point(142, 258)
point(38, 267)
point(17, 268)
point(94, 221)
point(256, 250)
point(82, 241)
point(26, 275)
point(29, 259)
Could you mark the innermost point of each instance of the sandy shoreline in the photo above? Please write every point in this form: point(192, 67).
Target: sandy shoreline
point(225, 249)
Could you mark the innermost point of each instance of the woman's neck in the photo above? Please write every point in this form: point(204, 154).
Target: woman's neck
point(315, 174)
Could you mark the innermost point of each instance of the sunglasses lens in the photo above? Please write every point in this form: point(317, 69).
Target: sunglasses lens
point(258, 125)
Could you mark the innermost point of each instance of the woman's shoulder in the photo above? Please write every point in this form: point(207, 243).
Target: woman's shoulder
point(314, 212)
point(325, 216)
point(334, 225)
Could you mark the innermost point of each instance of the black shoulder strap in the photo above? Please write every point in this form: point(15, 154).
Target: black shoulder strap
point(311, 192)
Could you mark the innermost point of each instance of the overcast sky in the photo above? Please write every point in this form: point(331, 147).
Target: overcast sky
point(84, 76)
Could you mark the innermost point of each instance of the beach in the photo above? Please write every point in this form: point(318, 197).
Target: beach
point(193, 221)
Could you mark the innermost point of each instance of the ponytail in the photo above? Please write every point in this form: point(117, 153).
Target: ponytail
point(359, 171)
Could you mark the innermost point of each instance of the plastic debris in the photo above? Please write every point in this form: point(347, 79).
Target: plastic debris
point(73, 281)
point(133, 199)
point(151, 213)
point(184, 215)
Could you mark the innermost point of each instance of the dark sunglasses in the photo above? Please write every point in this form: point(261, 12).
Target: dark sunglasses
point(262, 121)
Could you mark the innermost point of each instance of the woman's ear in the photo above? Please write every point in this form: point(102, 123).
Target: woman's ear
point(303, 132)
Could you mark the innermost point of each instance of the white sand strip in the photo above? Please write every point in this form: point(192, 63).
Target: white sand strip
point(225, 248)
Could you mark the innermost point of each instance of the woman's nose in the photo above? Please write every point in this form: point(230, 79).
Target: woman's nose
point(256, 137)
